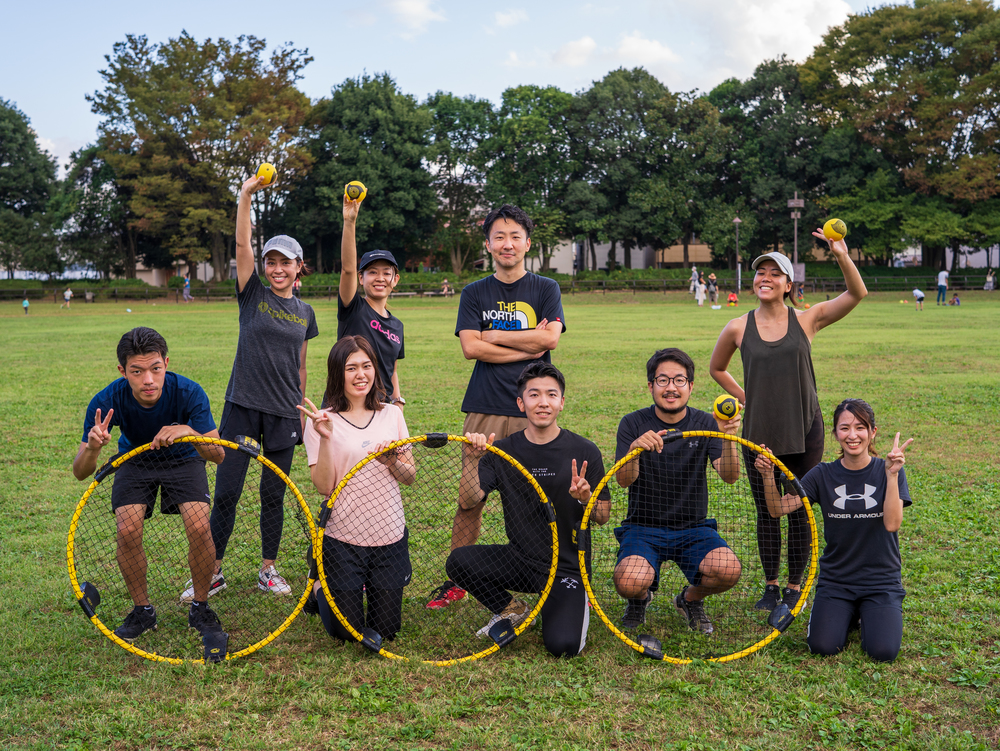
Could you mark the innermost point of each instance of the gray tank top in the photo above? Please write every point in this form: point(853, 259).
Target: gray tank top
point(780, 385)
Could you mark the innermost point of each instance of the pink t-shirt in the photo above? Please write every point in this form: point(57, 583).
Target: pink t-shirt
point(369, 509)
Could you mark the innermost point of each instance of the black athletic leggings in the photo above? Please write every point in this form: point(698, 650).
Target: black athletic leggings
point(384, 616)
point(769, 528)
point(229, 480)
point(879, 617)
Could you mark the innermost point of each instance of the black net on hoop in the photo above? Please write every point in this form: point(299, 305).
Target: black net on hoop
point(386, 537)
point(116, 557)
point(677, 573)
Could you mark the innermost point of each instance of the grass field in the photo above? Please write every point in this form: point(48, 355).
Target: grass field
point(930, 375)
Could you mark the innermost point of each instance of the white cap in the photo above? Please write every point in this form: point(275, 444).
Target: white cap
point(783, 263)
point(287, 246)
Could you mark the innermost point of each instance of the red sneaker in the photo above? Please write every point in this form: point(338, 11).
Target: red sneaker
point(444, 595)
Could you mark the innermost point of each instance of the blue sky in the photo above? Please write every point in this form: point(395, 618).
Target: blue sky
point(54, 50)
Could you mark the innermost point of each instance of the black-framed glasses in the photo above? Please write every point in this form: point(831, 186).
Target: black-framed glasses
point(679, 381)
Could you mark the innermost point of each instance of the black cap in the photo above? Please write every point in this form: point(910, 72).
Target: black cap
point(377, 255)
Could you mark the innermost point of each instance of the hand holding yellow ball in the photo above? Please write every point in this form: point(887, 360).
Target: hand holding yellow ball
point(726, 407)
point(355, 191)
point(835, 229)
point(267, 173)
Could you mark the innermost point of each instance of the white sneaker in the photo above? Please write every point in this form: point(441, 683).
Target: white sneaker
point(269, 580)
point(517, 611)
point(218, 584)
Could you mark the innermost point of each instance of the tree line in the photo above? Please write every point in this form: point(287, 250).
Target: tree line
point(891, 124)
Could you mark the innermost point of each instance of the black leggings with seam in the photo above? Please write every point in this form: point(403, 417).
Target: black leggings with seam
point(879, 616)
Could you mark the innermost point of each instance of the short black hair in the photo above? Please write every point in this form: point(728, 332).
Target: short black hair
point(140, 341)
point(670, 354)
point(512, 212)
point(539, 369)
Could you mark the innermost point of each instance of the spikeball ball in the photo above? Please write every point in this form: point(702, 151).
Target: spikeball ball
point(355, 190)
point(266, 171)
point(835, 229)
point(726, 407)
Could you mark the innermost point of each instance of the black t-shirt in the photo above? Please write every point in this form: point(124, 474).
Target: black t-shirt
point(672, 489)
point(385, 334)
point(551, 464)
point(860, 554)
point(266, 369)
point(491, 304)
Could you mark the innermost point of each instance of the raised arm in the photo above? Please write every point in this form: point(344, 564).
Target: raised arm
point(728, 465)
point(322, 473)
point(725, 348)
point(892, 508)
point(245, 261)
point(349, 251)
point(823, 314)
point(89, 452)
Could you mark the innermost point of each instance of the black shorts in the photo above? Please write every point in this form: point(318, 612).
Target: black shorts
point(178, 483)
point(354, 566)
point(273, 431)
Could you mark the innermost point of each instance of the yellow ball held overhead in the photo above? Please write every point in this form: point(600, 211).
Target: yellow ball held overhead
point(835, 229)
point(726, 407)
point(355, 190)
point(267, 172)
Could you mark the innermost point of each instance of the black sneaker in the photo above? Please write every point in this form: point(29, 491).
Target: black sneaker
point(790, 597)
point(312, 604)
point(771, 598)
point(694, 612)
point(635, 612)
point(204, 620)
point(136, 623)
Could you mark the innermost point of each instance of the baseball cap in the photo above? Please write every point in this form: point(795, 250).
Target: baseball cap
point(377, 255)
point(783, 263)
point(287, 246)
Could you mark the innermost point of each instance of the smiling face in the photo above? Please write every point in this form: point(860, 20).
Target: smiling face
point(770, 282)
point(542, 401)
point(280, 271)
point(359, 375)
point(145, 375)
point(853, 435)
point(507, 243)
point(669, 395)
point(379, 279)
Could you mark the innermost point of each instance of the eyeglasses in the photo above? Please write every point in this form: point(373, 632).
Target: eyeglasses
point(679, 381)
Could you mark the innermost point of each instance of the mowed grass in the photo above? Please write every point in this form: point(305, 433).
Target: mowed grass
point(930, 375)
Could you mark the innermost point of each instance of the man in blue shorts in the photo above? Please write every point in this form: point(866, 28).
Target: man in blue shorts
point(668, 497)
point(151, 405)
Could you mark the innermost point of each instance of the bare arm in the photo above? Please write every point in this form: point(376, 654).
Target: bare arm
point(245, 262)
point(543, 338)
point(629, 472)
point(725, 348)
point(474, 348)
point(349, 252)
point(399, 462)
point(302, 373)
point(322, 473)
point(777, 505)
point(170, 433)
point(470, 493)
point(395, 384)
point(823, 314)
point(893, 506)
point(728, 465)
point(89, 452)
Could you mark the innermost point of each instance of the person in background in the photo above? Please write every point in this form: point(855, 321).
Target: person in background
point(25, 305)
point(713, 289)
point(954, 300)
point(919, 299)
point(187, 287)
point(67, 296)
point(942, 285)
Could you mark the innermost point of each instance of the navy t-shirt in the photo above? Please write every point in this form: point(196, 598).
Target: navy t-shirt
point(182, 402)
point(671, 490)
point(491, 304)
point(358, 318)
point(860, 554)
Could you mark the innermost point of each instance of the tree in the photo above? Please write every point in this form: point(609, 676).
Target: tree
point(27, 185)
point(875, 211)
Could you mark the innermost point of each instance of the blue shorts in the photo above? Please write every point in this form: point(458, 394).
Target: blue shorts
point(685, 547)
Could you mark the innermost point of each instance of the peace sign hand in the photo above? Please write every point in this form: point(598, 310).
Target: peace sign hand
point(579, 488)
point(895, 459)
point(322, 420)
point(100, 435)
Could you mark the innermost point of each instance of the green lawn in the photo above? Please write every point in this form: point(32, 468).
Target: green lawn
point(931, 375)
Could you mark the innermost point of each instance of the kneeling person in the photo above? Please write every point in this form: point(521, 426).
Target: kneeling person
point(566, 466)
point(151, 405)
point(667, 518)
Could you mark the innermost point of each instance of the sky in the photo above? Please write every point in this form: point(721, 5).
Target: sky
point(54, 51)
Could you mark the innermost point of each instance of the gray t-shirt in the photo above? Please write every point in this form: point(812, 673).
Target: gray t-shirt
point(266, 369)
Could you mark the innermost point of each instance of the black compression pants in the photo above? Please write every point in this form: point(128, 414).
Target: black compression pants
point(769, 528)
point(384, 616)
point(834, 611)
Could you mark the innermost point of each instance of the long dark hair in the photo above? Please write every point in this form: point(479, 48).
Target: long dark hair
point(863, 411)
point(336, 363)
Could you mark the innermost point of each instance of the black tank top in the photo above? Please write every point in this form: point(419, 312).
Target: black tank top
point(780, 385)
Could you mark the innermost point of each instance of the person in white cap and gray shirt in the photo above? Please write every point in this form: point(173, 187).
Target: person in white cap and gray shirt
point(265, 389)
point(779, 393)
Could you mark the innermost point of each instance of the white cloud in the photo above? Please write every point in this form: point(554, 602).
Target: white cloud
point(508, 18)
point(575, 54)
point(414, 15)
point(60, 148)
point(635, 49)
point(513, 61)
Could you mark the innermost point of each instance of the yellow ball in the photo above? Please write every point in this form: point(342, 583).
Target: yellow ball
point(835, 229)
point(355, 190)
point(266, 171)
point(726, 407)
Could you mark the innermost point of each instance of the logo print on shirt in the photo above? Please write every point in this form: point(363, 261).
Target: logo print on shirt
point(843, 498)
point(366, 444)
point(385, 332)
point(511, 316)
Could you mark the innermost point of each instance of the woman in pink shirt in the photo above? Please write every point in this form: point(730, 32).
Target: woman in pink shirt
point(365, 550)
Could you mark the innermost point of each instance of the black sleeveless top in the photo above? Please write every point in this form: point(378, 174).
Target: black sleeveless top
point(780, 385)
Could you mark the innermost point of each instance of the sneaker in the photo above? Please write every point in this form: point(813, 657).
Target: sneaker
point(516, 611)
point(204, 620)
point(218, 584)
point(269, 580)
point(635, 612)
point(694, 612)
point(445, 595)
point(138, 622)
point(771, 598)
point(312, 604)
point(790, 597)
